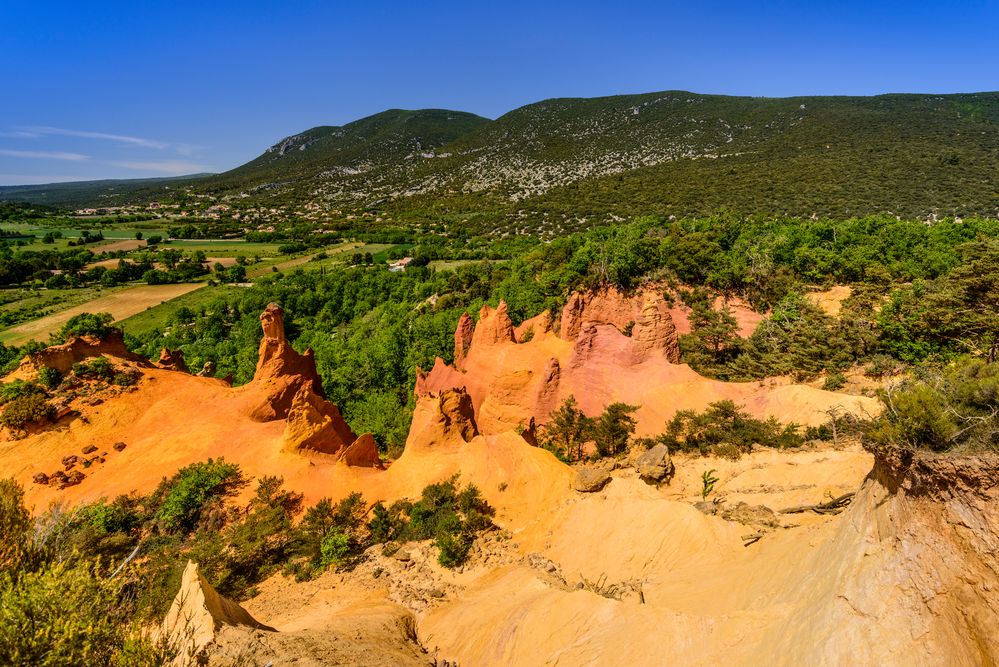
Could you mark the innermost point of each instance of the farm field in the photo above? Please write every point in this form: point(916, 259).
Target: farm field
point(448, 264)
point(225, 247)
point(305, 261)
point(157, 316)
point(121, 304)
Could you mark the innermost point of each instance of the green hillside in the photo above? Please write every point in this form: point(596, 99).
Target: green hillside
point(563, 163)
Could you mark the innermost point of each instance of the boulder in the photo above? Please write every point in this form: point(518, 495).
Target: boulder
point(40, 478)
point(590, 480)
point(706, 506)
point(759, 516)
point(89, 448)
point(119, 446)
point(72, 479)
point(655, 465)
point(362, 453)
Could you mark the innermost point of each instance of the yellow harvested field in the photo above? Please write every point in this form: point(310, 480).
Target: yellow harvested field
point(121, 305)
point(106, 263)
point(125, 244)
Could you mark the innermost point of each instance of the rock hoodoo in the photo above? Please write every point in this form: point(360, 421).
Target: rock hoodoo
point(198, 612)
point(281, 371)
point(286, 386)
point(494, 326)
point(172, 360)
point(315, 426)
point(654, 331)
point(440, 419)
point(463, 339)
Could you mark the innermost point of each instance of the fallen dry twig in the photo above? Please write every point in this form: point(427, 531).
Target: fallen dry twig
point(834, 506)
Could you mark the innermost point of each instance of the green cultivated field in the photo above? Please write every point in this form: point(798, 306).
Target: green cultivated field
point(157, 316)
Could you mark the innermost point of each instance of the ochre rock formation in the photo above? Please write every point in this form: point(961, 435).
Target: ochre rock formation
point(462, 339)
point(77, 349)
point(538, 324)
point(494, 326)
point(512, 378)
point(281, 371)
point(444, 418)
point(654, 331)
point(915, 554)
point(172, 360)
point(314, 425)
point(198, 612)
point(362, 453)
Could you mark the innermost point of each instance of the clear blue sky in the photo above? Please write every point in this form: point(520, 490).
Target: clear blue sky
point(138, 89)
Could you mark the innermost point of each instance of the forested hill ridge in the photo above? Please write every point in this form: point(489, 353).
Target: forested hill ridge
point(562, 163)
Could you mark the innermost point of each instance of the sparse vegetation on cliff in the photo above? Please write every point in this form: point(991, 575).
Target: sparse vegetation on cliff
point(949, 409)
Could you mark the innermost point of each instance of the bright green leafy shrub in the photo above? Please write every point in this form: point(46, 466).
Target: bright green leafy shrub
point(69, 615)
point(86, 324)
point(15, 525)
point(49, 377)
point(186, 494)
point(335, 548)
point(26, 410)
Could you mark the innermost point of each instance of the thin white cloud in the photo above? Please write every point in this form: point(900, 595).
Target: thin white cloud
point(19, 134)
point(175, 167)
point(118, 138)
point(43, 155)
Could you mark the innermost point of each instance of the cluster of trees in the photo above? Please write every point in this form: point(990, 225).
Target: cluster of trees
point(938, 318)
point(569, 430)
point(19, 266)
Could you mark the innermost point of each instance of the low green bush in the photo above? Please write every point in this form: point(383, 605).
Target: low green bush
point(955, 408)
point(86, 324)
point(187, 493)
point(49, 377)
point(70, 615)
point(26, 410)
point(445, 513)
point(724, 423)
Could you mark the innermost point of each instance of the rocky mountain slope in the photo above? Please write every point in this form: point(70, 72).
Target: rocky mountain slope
point(673, 152)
